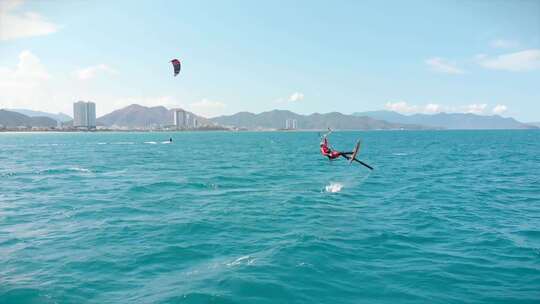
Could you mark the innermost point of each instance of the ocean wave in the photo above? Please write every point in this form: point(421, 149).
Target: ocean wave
point(243, 260)
point(157, 187)
point(79, 169)
point(62, 170)
point(123, 143)
point(400, 154)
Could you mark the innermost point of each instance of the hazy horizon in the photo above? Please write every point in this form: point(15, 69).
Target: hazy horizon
point(465, 57)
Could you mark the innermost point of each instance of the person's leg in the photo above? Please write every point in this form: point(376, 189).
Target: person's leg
point(346, 155)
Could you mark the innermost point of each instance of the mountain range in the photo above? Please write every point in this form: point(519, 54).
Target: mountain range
point(11, 119)
point(451, 121)
point(60, 116)
point(137, 116)
point(276, 120)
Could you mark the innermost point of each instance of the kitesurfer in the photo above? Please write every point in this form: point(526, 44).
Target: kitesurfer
point(332, 154)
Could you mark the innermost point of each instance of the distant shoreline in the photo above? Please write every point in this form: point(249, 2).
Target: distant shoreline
point(250, 130)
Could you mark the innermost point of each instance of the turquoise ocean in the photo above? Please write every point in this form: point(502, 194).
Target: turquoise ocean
point(262, 217)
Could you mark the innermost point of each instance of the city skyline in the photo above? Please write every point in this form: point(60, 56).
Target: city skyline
point(474, 57)
point(183, 120)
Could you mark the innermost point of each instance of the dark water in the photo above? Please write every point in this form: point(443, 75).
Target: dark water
point(446, 217)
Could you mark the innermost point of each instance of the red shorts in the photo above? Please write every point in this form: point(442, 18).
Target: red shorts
point(333, 155)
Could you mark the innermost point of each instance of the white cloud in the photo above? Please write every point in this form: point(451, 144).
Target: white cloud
point(405, 108)
point(443, 66)
point(503, 44)
point(296, 96)
point(499, 109)
point(433, 108)
point(401, 107)
point(207, 108)
point(476, 108)
point(515, 62)
point(26, 84)
point(15, 25)
point(29, 67)
point(91, 72)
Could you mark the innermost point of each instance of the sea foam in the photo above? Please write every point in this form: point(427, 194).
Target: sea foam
point(334, 187)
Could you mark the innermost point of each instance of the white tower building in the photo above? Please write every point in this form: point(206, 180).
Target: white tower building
point(84, 114)
point(79, 114)
point(180, 118)
point(91, 114)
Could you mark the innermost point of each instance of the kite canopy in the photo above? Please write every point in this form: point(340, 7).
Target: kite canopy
point(176, 66)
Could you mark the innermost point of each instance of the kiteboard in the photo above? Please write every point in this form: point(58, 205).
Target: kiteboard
point(354, 152)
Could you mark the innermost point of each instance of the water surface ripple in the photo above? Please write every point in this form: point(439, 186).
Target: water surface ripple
point(446, 217)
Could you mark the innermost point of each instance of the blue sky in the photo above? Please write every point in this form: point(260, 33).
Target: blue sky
point(305, 56)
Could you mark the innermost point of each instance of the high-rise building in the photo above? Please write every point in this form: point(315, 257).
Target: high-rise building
point(187, 122)
point(180, 118)
point(290, 124)
point(79, 114)
point(91, 114)
point(84, 114)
